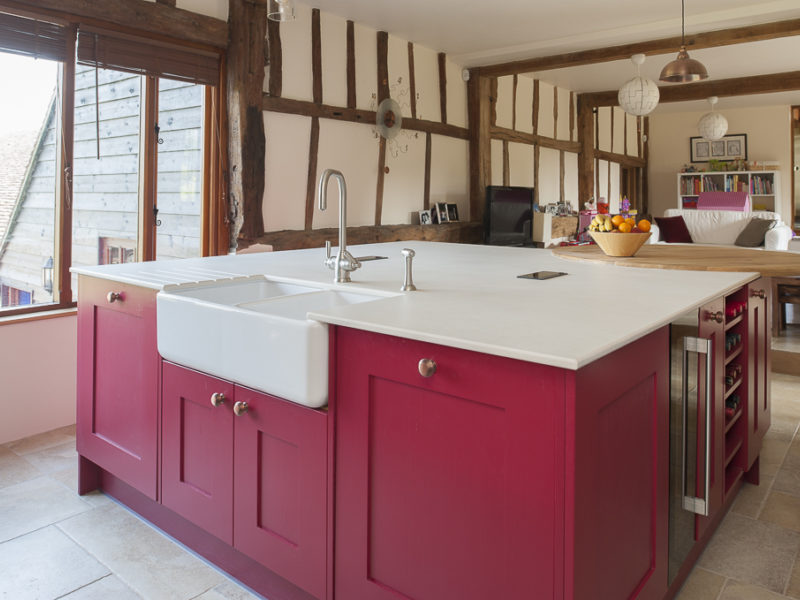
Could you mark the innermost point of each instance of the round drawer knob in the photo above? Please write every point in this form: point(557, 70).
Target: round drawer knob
point(717, 317)
point(217, 399)
point(239, 408)
point(114, 296)
point(427, 367)
point(759, 294)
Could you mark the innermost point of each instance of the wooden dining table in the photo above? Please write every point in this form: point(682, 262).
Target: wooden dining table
point(693, 257)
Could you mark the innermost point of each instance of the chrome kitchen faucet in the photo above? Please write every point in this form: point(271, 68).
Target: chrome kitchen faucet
point(343, 262)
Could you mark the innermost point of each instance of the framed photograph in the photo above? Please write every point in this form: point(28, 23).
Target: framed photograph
point(425, 217)
point(441, 212)
point(452, 212)
point(730, 147)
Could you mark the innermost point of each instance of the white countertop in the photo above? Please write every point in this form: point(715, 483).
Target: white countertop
point(469, 296)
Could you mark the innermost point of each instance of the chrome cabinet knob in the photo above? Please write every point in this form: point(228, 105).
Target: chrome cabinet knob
point(217, 399)
point(427, 367)
point(239, 408)
point(717, 317)
point(759, 294)
point(114, 296)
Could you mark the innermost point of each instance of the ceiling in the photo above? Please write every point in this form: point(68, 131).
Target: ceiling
point(474, 33)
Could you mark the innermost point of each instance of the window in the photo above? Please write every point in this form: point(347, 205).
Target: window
point(121, 168)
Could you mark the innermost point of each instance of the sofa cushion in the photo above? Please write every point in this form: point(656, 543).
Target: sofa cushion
point(753, 233)
point(717, 226)
point(673, 230)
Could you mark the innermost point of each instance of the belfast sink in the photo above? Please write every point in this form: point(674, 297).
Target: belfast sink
point(253, 331)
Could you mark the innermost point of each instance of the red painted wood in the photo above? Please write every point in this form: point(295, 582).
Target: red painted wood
point(118, 365)
point(617, 501)
point(448, 487)
point(759, 341)
point(197, 449)
point(280, 472)
point(243, 568)
point(715, 332)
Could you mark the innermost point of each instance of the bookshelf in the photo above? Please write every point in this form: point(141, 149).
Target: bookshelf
point(763, 186)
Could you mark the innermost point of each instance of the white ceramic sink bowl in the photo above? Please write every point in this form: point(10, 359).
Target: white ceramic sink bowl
point(252, 331)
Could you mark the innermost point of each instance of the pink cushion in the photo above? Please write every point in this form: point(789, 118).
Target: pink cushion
point(673, 230)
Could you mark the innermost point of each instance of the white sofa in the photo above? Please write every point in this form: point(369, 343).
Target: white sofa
point(724, 226)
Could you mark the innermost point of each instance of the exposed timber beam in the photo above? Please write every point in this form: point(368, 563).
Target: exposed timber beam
point(737, 86)
point(711, 39)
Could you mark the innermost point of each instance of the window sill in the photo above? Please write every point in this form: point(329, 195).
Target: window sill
point(38, 316)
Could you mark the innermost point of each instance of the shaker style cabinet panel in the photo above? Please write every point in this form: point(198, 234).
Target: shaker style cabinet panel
point(449, 476)
point(280, 476)
point(197, 449)
point(118, 366)
point(758, 365)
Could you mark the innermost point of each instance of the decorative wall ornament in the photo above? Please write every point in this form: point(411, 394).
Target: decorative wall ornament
point(712, 125)
point(389, 118)
point(729, 148)
point(640, 95)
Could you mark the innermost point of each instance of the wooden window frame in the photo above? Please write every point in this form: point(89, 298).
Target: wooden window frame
point(214, 217)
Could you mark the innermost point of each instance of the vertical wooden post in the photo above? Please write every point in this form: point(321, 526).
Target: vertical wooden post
point(572, 116)
point(426, 199)
point(148, 168)
point(443, 85)
point(535, 107)
point(311, 180)
point(62, 288)
point(383, 93)
point(275, 59)
point(514, 102)
point(412, 81)
point(351, 65)
point(586, 156)
point(555, 112)
point(646, 157)
point(246, 140)
point(480, 159)
point(506, 165)
point(316, 56)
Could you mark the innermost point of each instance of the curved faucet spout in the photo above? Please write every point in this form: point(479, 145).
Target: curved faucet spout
point(343, 263)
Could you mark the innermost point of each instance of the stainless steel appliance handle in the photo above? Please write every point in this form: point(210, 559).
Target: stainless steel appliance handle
point(701, 346)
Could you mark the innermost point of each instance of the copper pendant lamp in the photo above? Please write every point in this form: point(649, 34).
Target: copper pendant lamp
point(683, 69)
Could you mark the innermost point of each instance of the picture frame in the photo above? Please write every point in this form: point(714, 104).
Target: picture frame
point(441, 212)
point(452, 213)
point(730, 147)
point(425, 217)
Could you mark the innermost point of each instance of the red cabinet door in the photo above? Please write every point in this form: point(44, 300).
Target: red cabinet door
point(448, 486)
point(118, 365)
point(197, 449)
point(280, 473)
point(759, 340)
point(711, 327)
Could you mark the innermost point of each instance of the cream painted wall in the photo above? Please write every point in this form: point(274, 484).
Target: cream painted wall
point(768, 130)
point(211, 8)
point(38, 371)
point(353, 147)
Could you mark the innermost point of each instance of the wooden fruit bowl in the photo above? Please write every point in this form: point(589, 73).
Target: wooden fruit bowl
point(619, 244)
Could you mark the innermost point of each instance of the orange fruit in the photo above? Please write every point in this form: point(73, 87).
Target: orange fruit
point(631, 221)
point(617, 219)
point(625, 227)
point(644, 225)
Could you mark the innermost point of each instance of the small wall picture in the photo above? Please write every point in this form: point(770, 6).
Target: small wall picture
point(425, 217)
point(441, 212)
point(730, 147)
point(452, 212)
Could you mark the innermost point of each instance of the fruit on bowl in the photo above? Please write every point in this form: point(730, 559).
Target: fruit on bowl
point(619, 236)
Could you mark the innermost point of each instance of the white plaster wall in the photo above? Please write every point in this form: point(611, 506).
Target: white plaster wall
point(286, 165)
point(397, 63)
point(426, 79)
point(333, 36)
point(505, 103)
point(563, 114)
point(520, 161)
point(549, 176)
point(211, 8)
point(366, 54)
point(297, 80)
point(546, 100)
point(525, 104)
point(571, 180)
point(351, 148)
point(496, 147)
point(404, 184)
point(768, 130)
point(601, 193)
point(38, 371)
point(450, 173)
point(633, 136)
point(456, 97)
point(619, 130)
point(603, 118)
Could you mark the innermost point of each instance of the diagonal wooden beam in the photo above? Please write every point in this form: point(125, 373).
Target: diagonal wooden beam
point(737, 86)
point(711, 39)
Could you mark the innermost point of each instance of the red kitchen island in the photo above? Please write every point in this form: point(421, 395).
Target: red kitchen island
point(477, 443)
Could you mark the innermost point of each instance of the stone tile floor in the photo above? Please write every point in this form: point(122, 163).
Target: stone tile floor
point(56, 544)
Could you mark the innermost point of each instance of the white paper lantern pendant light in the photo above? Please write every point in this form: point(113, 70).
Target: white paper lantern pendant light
point(712, 126)
point(640, 95)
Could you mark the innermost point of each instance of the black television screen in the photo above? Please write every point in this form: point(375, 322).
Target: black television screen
point(509, 215)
